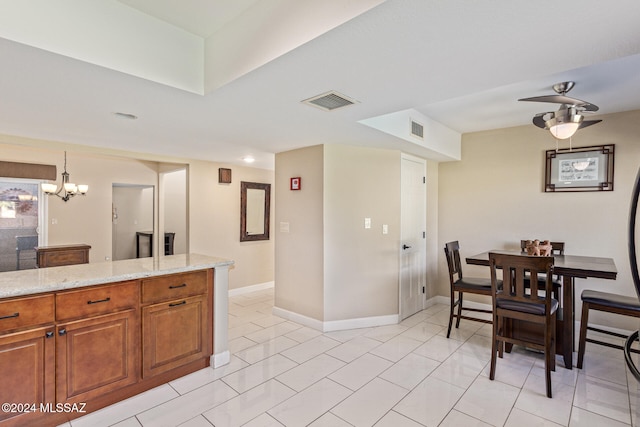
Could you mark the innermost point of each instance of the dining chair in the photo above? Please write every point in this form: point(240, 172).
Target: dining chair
point(557, 248)
point(609, 303)
point(513, 301)
point(462, 285)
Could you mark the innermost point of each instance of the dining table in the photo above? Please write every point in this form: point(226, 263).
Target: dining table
point(569, 267)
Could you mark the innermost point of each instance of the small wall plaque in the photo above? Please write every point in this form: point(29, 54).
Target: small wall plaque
point(296, 183)
point(224, 176)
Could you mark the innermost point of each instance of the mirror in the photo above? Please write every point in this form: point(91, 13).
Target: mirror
point(255, 202)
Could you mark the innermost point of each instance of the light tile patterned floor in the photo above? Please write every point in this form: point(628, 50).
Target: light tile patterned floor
point(285, 374)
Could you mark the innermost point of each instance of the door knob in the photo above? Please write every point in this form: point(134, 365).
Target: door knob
point(405, 247)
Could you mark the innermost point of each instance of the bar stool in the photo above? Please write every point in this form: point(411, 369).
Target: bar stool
point(609, 303)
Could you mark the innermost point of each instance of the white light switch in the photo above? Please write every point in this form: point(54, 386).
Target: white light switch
point(385, 229)
point(284, 227)
point(367, 223)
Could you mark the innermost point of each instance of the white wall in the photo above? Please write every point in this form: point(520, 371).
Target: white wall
point(134, 208)
point(174, 205)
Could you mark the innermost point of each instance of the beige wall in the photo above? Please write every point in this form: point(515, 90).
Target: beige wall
point(494, 197)
point(214, 222)
point(361, 265)
point(328, 266)
point(299, 253)
point(83, 219)
point(213, 211)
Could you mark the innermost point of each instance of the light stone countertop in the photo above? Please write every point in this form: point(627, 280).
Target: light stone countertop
point(35, 281)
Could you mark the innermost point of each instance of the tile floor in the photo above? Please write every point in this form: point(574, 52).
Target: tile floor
point(410, 374)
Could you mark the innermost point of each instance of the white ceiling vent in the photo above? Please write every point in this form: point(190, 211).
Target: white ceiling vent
point(330, 101)
point(417, 129)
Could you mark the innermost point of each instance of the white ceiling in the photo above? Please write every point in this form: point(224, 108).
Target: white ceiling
point(463, 63)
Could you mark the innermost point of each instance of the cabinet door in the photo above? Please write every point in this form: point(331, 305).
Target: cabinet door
point(174, 333)
point(27, 364)
point(96, 355)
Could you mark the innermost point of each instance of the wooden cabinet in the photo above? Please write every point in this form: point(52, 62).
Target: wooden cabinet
point(27, 354)
point(103, 343)
point(27, 369)
point(99, 352)
point(96, 355)
point(174, 333)
point(175, 326)
point(54, 256)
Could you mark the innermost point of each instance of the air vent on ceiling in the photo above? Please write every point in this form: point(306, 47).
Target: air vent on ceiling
point(417, 129)
point(330, 101)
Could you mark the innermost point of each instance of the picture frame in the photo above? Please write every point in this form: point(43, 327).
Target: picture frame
point(224, 176)
point(295, 183)
point(580, 169)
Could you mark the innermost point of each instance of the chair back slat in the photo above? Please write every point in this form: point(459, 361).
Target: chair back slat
point(516, 270)
point(452, 252)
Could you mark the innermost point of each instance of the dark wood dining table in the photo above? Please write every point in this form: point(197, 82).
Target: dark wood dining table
point(569, 267)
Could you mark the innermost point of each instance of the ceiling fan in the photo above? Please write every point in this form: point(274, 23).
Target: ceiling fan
point(569, 118)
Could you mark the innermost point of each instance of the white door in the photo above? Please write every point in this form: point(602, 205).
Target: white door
point(413, 249)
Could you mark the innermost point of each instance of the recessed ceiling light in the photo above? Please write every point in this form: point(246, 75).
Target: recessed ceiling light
point(126, 116)
point(249, 159)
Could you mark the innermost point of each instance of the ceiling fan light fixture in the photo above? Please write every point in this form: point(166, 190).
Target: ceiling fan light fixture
point(564, 125)
point(564, 130)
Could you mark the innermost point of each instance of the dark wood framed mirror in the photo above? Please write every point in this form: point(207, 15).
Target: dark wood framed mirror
point(255, 203)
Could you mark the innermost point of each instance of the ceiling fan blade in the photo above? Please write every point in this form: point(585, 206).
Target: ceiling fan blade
point(586, 123)
point(539, 120)
point(561, 99)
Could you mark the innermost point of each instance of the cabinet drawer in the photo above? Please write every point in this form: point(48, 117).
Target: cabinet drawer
point(96, 300)
point(165, 288)
point(29, 311)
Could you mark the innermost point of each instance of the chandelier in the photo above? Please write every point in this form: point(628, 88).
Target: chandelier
point(67, 189)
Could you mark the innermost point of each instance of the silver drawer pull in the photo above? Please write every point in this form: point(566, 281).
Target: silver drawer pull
point(107, 299)
point(184, 285)
point(11, 316)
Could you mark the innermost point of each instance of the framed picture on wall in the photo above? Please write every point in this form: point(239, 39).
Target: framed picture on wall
point(296, 183)
point(224, 176)
point(580, 169)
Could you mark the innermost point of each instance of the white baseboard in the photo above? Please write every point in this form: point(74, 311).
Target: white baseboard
point(298, 318)
point(336, 325)
point(249, 289)
point(220, 359)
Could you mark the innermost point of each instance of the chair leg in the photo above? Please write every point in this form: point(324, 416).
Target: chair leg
point(460, 295)
point(549, 353)
point(451, 308)
point(494, 348)
point(583, 333)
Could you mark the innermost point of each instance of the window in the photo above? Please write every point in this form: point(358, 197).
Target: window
point(21, 216)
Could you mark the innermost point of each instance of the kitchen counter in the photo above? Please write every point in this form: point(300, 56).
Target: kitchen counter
point(95, 334)
point(29, 282)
